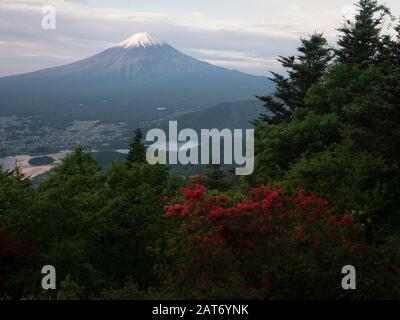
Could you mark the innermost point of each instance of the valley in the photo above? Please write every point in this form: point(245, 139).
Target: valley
point(99, 101)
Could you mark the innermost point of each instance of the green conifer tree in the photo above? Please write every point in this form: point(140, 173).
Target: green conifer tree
point(304, 70)
point(360, 40)
point(215, 178)
point(137, 150)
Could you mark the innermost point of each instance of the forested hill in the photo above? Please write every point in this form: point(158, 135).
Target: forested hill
point(234, 115)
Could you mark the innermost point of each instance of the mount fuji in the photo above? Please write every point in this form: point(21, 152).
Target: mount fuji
point(126, 82)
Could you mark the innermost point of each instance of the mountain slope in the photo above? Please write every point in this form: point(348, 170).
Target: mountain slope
point(234, 115)
point(125, 83)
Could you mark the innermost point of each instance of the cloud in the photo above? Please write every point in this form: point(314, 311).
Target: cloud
point(247, 37)
point(245, 61)
point(77, 1)
point(46, 55)
point(348, 12)
point(80, 34)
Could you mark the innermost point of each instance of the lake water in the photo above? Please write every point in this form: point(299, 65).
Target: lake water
point(29, 170)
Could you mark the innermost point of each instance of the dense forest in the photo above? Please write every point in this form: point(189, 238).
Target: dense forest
point(325, 193)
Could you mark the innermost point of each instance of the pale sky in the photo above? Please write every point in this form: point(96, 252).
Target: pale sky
point(246, 35)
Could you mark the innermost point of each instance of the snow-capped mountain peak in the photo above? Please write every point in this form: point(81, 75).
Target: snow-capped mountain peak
point(143, 40)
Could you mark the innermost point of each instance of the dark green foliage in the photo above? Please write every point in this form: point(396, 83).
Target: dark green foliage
point(17, 173)
point(395, 48)
point(352, 179)
point(360, 40)
point(40, 161)
point(137, 150)
point(97, 228)
point(215, 178)
point(373, 118)
point(342, 85)
point(279, 146)
point(16, 255)
point(131, 222)
point(303, 70)
point(15, 196)
point(341, 140)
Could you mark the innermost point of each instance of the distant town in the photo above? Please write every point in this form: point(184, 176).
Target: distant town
point(29, 135)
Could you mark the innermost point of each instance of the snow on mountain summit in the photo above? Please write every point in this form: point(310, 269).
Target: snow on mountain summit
point(143, 40)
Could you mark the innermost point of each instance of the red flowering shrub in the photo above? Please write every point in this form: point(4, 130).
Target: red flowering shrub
point(269, 245)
